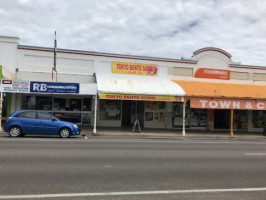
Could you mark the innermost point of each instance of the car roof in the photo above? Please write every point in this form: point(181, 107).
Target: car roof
point(20, 111)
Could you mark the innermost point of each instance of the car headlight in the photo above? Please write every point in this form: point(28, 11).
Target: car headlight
point(75, 126)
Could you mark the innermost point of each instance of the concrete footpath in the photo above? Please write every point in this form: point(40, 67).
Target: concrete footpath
point(176, 133)
point(162, 133)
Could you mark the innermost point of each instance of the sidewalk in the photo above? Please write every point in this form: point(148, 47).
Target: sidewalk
point(174, 133)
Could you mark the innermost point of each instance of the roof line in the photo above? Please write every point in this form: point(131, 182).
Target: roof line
point(212, 49)
point(24, 47)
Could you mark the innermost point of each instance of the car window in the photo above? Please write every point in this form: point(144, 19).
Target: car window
point(44, 116)
point(31, 115)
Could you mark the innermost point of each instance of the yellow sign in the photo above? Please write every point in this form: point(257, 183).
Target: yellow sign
point(134, 68)
point(139, 97)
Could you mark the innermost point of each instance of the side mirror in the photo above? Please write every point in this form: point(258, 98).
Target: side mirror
point(53, 119)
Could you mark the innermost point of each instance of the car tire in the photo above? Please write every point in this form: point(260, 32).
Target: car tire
point(15, 131)
point(64, 132)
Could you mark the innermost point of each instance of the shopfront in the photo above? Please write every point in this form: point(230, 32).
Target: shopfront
point(67, 101)
point(137, 93)
point(224, 106)
point(194, 118)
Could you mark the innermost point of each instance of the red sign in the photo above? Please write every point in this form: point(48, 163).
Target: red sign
point(212, 73)
point(6, 81)
point(228, 104)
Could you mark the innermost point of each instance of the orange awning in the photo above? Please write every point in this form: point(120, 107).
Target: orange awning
point(222, 90)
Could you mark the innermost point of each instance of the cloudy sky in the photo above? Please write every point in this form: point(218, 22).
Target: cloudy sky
point(157, 28)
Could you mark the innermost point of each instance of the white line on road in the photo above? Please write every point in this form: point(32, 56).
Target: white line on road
point(131, 193)
point(256, 154)
point(122, 140)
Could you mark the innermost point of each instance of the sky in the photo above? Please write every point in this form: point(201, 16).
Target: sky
point(154, 28)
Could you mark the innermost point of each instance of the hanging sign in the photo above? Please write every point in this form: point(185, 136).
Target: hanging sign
point(228, 104)
point(140, 97)
point(15, 86)
point(134, 68)
point(54, 87)
point(212, 73)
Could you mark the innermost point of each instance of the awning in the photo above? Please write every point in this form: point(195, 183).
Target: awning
point(145, 89)
point(222, 90)
point(88, 88)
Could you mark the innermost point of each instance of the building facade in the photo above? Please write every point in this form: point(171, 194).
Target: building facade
point(205, 92)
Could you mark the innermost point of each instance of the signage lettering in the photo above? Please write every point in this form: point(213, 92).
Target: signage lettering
point(228, 104)
point(51, 87)
point(140, 97)
point(135, 68)
point(212, 73)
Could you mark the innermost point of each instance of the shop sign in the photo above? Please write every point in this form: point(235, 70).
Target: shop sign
point(140, 97)
point(212, 73)
point(135, 68)
point(52, 87)
point(228, 104)
point(15, 86)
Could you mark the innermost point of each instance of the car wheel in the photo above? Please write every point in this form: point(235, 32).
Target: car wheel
point(64, 133)
point(15, 131)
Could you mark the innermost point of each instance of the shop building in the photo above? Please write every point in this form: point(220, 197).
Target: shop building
point(217, 92)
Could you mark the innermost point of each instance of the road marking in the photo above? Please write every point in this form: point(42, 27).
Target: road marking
point(131, 193)
point(141, 140)
point(256, 154)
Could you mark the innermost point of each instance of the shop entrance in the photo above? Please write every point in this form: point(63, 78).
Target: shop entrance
point(221, 119)
point(132, 110)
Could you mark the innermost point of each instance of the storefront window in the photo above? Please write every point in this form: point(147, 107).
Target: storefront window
point(155, 111)
point(109, 110)
point(75, 105)
point(258, 119)
point(69, 117)
point(86, 104)
point(60, 104)
point(76, 110)
point(240, 119)
point(43, 103)
point(198, 118)
point(28, 102)
point(178, 115)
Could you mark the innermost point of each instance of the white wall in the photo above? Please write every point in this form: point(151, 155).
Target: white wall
point(8, 52)
point(36, 65)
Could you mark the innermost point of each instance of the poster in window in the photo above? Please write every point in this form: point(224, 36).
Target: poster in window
point(151, 105)
point(148, 116)
point(158, 116)
point(111, 112)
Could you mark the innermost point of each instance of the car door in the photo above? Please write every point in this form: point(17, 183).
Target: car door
point(27, 120)
point(45, 123)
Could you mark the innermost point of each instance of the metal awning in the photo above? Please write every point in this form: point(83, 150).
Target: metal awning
point(149, 86)
point(143, 89)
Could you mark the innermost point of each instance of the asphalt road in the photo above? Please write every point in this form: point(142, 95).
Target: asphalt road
point(131, 168)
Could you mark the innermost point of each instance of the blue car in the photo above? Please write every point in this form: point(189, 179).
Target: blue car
point(38, 122)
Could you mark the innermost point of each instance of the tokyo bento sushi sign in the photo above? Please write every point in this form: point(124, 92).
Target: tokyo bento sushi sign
point(134, 68)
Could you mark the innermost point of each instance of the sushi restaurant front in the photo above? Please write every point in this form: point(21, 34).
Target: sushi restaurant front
point(135, 91)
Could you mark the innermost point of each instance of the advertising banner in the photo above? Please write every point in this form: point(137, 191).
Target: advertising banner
point(140, 97)
point(54, 87)
point(212, 73)
point(228, 104)
point(135, 68)
point(15, 86)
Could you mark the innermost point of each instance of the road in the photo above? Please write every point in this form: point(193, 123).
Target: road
point(131, 168)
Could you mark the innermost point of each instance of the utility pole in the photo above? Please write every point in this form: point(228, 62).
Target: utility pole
point(54, 68)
